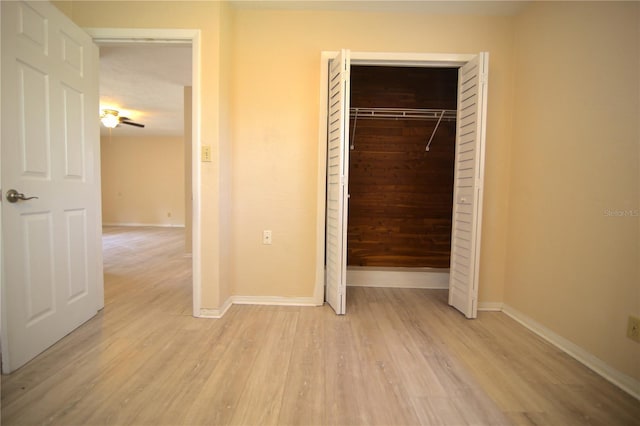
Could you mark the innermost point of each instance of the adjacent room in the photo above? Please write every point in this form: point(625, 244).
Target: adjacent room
point(146, 157)
point(144, 168)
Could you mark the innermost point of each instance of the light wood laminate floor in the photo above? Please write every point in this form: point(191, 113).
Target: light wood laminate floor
point(399, 356)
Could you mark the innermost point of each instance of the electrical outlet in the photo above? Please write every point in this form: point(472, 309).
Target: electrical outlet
point(633, 328)
point(266, 236)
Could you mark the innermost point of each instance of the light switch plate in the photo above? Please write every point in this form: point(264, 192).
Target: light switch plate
point(206, 153)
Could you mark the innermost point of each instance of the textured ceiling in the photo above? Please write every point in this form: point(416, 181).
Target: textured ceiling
point(145, 82)
point(434, 7)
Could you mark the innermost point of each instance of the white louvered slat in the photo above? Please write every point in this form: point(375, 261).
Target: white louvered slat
point(337, 166)
point(469, 172)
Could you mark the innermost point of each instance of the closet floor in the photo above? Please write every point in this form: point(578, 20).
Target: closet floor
point(399, 356)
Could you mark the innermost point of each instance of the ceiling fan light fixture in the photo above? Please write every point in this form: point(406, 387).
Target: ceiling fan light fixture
point(110, 118)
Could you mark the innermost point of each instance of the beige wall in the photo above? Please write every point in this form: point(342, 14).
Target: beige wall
point(275, 106)
point(142, 180)
point(574, 155)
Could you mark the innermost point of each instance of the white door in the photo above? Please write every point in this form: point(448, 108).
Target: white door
point(337, 185)
point(52, 255)
point(468, 183)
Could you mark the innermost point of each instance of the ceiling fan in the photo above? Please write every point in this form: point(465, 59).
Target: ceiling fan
point(111, 118)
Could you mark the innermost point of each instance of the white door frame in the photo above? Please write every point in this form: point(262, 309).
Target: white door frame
point(390, 59)
point(174, 36)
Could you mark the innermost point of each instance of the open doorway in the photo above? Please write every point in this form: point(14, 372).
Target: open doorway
point(189, 39)
point(146, 158)
point(146, 164)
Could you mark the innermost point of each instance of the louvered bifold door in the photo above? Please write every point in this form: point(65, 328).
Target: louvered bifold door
point(337, 175)
point(468, 183)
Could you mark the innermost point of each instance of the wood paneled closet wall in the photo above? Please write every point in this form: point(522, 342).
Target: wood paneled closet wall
point(400, 195)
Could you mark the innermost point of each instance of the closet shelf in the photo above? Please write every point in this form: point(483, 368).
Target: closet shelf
point(402, 113)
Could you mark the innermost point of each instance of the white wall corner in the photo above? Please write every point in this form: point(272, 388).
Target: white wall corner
point(216, 313)
point(622, 380)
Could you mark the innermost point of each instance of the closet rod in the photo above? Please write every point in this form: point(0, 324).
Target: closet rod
point(403, 113)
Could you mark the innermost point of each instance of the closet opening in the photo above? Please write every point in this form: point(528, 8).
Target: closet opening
point(395, 226)
point(402, 132)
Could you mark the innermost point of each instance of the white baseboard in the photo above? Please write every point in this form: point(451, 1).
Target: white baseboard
point(274, 300)
point(134, 224)
point(622, 380)
point(430, 278)
point(257, 300)
point(490, 306)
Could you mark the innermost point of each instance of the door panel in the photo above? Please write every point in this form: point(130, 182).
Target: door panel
point(52, 275)
point(72, 54)
point(73, 110)
point(39, 272)
point(77, 265)
point(337, 175)
point(33, 132)
point(467, 194)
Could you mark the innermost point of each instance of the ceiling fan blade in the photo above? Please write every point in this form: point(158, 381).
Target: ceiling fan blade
point(131, 123)
point(125, 120)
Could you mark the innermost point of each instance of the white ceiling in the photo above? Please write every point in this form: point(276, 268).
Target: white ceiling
point(145, 82)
